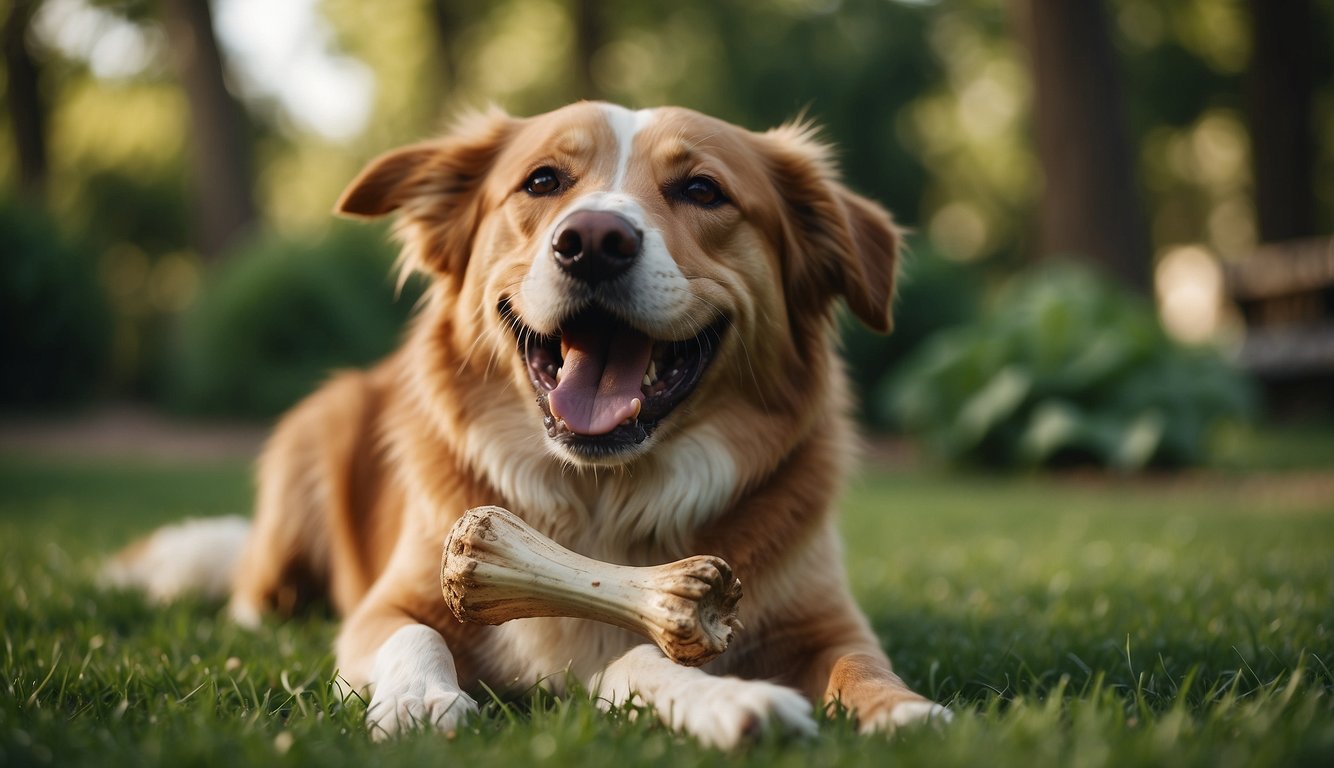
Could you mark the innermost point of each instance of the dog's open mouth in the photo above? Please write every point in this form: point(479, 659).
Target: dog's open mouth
point(602, 384)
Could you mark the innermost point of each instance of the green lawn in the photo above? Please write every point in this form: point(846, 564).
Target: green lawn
point(1082, 621)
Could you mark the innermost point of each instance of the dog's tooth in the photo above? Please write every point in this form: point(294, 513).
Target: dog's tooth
point(559, 371)
point(635, 406)
point(647, 381)
point(652, 374)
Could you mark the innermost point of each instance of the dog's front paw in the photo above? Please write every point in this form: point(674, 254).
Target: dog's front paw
point(726, 712)
point(397, 709)
point(416, 686)
point(722, 712)
point(902, 713)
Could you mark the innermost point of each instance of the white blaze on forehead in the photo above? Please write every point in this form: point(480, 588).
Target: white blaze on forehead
point(653, 295)
point(625, 124)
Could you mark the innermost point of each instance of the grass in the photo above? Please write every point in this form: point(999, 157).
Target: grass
point(1083, 621)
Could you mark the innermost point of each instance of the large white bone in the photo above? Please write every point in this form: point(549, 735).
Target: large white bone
point(496, 568)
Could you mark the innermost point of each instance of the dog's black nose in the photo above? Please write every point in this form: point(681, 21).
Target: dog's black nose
point(594, 246)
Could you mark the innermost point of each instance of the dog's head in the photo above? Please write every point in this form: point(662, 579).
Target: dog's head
point(637, 270)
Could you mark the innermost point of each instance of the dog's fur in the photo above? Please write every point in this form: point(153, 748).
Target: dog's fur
point(360, 483)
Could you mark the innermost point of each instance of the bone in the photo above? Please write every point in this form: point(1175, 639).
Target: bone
point(496, 568)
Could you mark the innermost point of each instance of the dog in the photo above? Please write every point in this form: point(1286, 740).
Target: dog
point(628, 339)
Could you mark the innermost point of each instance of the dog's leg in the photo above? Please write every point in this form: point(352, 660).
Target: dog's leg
point(286, 555)
point(290, 556)
point(823, 644)
point(415, 685)
point(719, 711)
point(863, 682)
point(407, 664)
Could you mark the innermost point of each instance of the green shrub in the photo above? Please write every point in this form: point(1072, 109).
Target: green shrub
point(55, 327)
point(278, 316)
point(1066, 369)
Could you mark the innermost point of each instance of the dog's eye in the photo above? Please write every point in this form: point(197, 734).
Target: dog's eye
point(703, 191)
point(543, 181)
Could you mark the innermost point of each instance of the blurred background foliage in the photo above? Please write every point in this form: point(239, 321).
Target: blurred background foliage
point(182, 158)
point(54, 317)
point(279, 314)
point(1065, 369)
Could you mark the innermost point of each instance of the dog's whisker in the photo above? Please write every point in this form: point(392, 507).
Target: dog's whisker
point(467, 356)
point(741, 341)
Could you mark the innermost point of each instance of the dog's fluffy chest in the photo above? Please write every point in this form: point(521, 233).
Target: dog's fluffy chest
point(643, 514)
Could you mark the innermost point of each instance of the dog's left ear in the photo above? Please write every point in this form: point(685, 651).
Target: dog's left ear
point(838, 242)
point(433, 187)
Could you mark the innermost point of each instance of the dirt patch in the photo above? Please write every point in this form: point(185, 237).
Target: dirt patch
point(1301, 490)
point(129, 432)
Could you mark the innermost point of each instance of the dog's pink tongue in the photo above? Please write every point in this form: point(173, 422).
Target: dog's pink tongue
point(600, 382)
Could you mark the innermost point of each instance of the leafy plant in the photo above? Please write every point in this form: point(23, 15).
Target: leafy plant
point(1065, 368)
point(280, 315)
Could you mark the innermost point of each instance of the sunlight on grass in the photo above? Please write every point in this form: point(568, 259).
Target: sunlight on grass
point(1083, 620)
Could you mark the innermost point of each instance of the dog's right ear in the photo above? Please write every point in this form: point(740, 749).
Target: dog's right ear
point(433, 187)
point(838, 243)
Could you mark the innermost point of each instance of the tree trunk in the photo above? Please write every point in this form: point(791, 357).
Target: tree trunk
point(1282, 143)
point(24, 100)
point(1090, 207)
point(588, 38)
point(221, 162)
point(451, 20)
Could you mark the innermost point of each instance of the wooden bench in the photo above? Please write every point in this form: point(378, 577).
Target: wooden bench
point(1285, 292)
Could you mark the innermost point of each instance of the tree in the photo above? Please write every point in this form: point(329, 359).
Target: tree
point(23, 98)
point(1090, 206)
point(589, 35)
point(450, 19)
point(221, 161)
point(1282, 144)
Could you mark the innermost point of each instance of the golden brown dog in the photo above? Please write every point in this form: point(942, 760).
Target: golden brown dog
point(628, 340)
